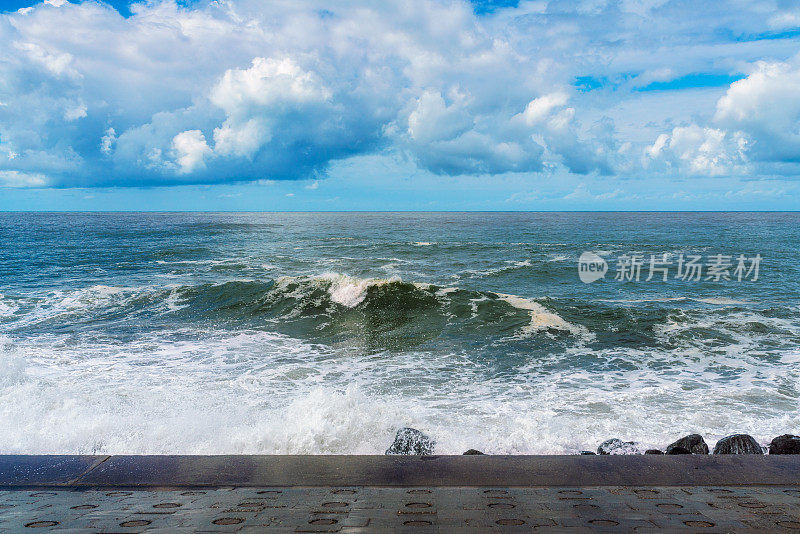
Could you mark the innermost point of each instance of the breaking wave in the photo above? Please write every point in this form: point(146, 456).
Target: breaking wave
point(328, 307)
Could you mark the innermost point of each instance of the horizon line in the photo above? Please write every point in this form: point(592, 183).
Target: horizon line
point(383, 211)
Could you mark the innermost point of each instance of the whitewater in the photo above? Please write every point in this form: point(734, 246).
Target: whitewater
point(325, 333)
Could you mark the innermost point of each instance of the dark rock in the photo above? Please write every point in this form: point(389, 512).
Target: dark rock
point(785, 444)
point(653, 451)
point(411, 441)
point(472, 452)
point(679, 450)
point(694, 443)
point(587, 453)
point(617, 446)
point(738, 444)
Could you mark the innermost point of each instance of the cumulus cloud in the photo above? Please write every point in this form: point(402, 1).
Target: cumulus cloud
point(191, 150)
point(696, 150)
point(451, 138)
point(247, 90)
point(261, 102)
point(107, 141)
point(765, 106)
point(755, 127)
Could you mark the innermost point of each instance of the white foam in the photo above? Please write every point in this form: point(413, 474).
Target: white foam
point(541, 318)
point(349, 291)
point(7, 309)
point(61, 303)
point(344, 290)
point(508, 265)
point(441, 292)
point(722, 301)
point(12, 363)
point(172, 301)
point(211, 392)
point(558, 258)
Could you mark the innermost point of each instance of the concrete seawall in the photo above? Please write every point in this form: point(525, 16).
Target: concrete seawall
point(400, 493)
point(400, 471)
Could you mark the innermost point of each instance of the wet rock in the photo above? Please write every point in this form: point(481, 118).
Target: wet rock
point(411, 441)
point(785, 444)
point(694, 443)
point(617, 446)
point(679, 450)
point(472, 452)
point(738, 444)
point(587, 453)
point(653, 451)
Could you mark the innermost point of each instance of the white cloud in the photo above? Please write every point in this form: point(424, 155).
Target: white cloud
point(252, 98)
point(765, 106)
point(241, 138)
point(191, 150)
point(108, 140)
point(754, 128)
point(785, 20)
point(540, 109)
point(58, 63)
point(76, 112)
point(433, 120)
point(695, 150)
point(22, 179)
point(254, 89)
point(267, 83)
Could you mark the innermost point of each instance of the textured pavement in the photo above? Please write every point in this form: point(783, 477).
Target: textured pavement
point(195, 494)
point(371, 509)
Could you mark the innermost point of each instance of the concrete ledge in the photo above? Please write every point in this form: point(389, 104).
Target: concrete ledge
point(396, 471)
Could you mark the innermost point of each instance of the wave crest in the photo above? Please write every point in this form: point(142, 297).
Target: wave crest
point(330, 307)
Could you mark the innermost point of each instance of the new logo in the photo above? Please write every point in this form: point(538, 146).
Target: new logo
point(591, 267)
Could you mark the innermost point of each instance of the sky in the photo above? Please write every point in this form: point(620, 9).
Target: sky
point(396, 105)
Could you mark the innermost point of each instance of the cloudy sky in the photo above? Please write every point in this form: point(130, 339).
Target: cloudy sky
point(399, 104)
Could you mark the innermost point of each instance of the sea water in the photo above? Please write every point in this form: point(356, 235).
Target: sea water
point(323, 333)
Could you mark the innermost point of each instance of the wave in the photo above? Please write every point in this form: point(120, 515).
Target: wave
point(383, 312)
point(508, 266)
point(252, 392)
point(7, 309)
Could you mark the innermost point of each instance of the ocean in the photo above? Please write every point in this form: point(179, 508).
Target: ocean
point(324, 333)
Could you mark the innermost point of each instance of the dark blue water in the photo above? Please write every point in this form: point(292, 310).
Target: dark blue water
point(325, 332)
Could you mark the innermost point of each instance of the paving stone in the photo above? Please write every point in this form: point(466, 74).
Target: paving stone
point(366, 509)
point(418, 509)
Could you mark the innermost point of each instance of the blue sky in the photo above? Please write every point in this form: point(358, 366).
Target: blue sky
point(437, 104)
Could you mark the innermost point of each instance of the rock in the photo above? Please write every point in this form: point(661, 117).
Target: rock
point(738, 444)
point(411, 441)
point(587, 453)
point(694, 443)
point(472, 452)
point(785, 444)
point(679, 450)
point(617, 446)
point(653, 451)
